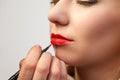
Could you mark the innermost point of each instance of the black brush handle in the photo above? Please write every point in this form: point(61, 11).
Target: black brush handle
point(15, 76)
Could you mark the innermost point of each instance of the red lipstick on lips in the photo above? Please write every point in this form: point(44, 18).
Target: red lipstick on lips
point(57, 39)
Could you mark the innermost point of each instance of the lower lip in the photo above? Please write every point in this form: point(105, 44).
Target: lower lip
point(57, 41)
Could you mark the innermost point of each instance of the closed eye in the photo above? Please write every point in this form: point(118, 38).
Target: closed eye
point(87, 2)
point(54, 2)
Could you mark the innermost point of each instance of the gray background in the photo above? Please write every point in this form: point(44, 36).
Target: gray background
point(23, 23)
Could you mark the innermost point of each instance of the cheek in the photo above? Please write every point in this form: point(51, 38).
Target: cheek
point(102, 26)
point(99, 32)
point(97, 24)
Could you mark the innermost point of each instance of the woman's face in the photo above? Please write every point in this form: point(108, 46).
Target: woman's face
point(94, 27)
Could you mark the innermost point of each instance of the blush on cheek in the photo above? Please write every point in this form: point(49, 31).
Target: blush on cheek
point(101, 25)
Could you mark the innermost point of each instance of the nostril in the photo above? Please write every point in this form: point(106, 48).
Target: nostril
point(58, 19)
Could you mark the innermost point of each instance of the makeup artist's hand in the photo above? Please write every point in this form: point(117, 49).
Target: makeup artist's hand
point(41, 67)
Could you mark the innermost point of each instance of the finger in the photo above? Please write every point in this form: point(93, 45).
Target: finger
point(43, 66)
point(63, 71)
point(21, 63)
point(29, 64)
point(55, 70)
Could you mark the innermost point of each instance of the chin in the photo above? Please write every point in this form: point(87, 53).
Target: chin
point(74, 57)
point(69, 56)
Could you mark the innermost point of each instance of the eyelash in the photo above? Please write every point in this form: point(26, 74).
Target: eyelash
point(84, 3)
point(87, 3)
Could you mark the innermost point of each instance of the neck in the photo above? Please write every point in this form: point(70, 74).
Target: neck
point(105, 71)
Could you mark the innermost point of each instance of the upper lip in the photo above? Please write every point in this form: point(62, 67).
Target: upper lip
point(59, 36)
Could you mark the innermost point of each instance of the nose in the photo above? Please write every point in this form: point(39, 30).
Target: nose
point(58, 13)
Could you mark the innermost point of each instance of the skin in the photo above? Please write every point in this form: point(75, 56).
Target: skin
point(95, 52)
point(41, 67)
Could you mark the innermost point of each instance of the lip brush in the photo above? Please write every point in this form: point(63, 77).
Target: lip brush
point(15, 76)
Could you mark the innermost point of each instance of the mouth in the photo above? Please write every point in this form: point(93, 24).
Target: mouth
point(57, 39)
